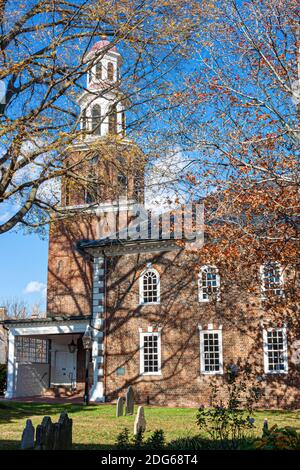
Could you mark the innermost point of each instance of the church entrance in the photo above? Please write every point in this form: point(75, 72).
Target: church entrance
point(64, 369)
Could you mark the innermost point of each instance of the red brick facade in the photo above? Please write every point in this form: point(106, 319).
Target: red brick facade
point(240, 313)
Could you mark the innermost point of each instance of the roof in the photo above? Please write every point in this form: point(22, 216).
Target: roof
point(104, 43)
point(49, 320)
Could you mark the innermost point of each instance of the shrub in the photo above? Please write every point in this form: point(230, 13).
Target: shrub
point(193, 443)
point(3, 372)
point(155, 442)
point(275, 438)
point(227, 424)
point(123, 439)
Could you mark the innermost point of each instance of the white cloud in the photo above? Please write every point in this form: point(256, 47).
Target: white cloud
point(49, 191)
point(35, 286)
point(164, 186)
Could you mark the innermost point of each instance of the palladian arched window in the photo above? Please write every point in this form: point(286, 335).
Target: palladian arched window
point(123, 124)
point(149, 287)
point(99, 71)
point(110, 71)
point(271, 279)
point(96, 119)
point(112, 120)
point(209, 284)
point(83, 120)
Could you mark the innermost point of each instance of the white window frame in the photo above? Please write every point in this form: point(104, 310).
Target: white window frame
point(202, 352)
point(264, 295)
point(141, 287)
point(285, 351)
point(200, 284)
point(142, 364)
point(26, 350)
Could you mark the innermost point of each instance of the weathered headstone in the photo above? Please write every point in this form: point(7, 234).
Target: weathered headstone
point(129, 401)
point(49, 436)
point(63, 433)
point(27, 441)
point(120, 407)
point(140, 422)
point(66, 431)
point(44, 431)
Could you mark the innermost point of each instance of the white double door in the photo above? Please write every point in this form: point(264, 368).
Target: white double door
point(64, 372)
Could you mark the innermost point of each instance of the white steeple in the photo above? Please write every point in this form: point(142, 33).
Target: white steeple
point(102, 104)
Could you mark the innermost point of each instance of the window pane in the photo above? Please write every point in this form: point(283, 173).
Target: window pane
point(276, 350)
point(272, 284)
point(151, 359)
point(150, 287)
point(31, 350)
point(209, 283)
point(211, 352)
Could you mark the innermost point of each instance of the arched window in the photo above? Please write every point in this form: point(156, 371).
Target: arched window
point(67, 186)
point(122, 184)
point(99, 71)
point(112, 120)
point(209, 284)
point(149, 287)
point(96, 119)
point(123, 124)
point(91, 189)
point(110, 71)
point(271, 279)
point(83, 120)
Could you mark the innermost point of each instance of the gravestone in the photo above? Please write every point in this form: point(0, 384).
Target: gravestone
point(57, 444)
point(49, 436)
point(66, 431)
point(63, 433)
point(129, 401)
point(27, 441)
point(140, 422)
point(44, 434)
point(120, 407)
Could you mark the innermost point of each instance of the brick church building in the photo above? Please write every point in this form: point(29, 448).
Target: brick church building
point(160, 317)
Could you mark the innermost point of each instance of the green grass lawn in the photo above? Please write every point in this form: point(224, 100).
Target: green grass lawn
point(96, 427)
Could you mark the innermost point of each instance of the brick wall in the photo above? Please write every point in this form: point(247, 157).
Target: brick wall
point(69, 273)
point(179, 314)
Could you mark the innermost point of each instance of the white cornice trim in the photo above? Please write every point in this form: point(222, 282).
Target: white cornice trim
point(46, 329)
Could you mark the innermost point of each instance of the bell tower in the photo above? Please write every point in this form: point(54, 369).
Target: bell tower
point(111, 165)
point(102, 104)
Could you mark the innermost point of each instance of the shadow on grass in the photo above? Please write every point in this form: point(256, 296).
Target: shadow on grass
point(15, 445)
point(9, 445)
point(11, 411)
point(193, 447)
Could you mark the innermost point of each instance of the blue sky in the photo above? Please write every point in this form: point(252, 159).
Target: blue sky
point(23, 267)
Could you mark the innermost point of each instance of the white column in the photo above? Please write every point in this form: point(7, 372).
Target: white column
point(10, 366)
point(97, 391)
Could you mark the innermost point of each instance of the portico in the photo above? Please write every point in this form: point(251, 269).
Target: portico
point(44, 354)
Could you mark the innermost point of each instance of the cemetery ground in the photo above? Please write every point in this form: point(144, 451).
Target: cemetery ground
point(97, 427)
